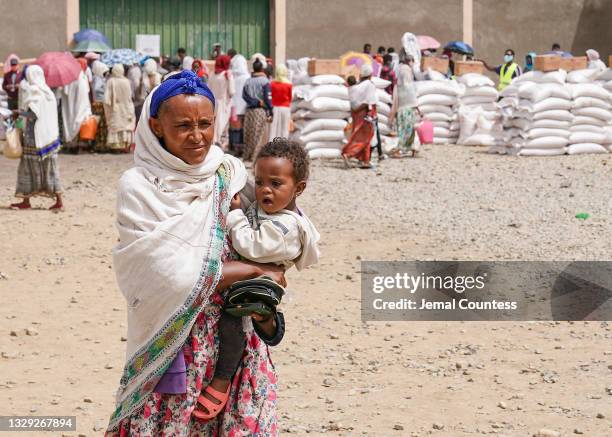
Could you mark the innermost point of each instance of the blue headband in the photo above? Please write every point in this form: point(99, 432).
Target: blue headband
point(185, 82)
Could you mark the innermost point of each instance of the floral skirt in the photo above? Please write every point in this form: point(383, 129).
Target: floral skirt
point(100, 141)
point(405, 128)
point(255, 132)
point(250, 409)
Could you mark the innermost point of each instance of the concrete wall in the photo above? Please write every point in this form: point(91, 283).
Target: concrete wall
point(324, 28)
point(534, 25)
point(327, 29)
point(31, 27)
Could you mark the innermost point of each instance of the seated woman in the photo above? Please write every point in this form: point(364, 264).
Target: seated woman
point(172, 260)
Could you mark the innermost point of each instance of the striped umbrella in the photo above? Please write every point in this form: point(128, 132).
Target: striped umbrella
point(121, 56)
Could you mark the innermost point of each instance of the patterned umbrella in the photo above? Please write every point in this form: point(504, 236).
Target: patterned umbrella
point(357, 59)
point(427, 42)
point(121, 56)
point(90, 35)
point(60, 68)
point(91, 46)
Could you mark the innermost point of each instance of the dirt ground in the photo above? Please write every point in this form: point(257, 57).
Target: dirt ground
point(63, 317)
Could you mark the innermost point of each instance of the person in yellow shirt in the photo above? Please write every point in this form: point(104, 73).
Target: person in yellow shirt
point(506, 71)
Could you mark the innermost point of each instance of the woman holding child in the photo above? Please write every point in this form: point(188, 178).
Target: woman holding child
point(172, 261)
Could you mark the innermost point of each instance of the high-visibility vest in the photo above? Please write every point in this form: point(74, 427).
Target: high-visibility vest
point(505, 75)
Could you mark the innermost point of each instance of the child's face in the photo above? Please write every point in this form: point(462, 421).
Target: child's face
point(275, 186)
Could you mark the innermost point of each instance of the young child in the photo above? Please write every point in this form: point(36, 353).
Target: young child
point(273, 230)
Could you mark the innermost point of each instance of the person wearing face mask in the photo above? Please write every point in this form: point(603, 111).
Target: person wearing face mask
point(507, 71)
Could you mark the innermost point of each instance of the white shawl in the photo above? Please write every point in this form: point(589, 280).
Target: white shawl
point(38, 97)
point(240, 71)
point(169, 245)
point(75, 106)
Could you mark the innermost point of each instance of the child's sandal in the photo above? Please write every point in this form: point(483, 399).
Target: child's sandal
point(212, 408)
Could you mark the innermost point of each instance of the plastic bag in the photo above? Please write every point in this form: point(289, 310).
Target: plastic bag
point(13, 149)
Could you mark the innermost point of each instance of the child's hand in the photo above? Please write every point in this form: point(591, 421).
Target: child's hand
point(235, 204)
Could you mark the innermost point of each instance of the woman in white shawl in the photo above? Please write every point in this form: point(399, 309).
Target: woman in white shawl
point(221, 83)
point(38, 172)
point(172, 259)
point(595, 63)
point(119, 111)
point(76, 108)
point(240, 73)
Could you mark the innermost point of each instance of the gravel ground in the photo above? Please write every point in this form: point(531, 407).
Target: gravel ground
point(63, 317)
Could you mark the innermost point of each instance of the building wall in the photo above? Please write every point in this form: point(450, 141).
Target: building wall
point(31, 27)
point(326, 29)
point(534, 25)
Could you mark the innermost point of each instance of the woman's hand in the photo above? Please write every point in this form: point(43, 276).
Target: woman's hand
point(277, 273)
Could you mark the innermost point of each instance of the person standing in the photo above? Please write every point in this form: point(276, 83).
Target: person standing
point(100, 71)
point(76, 108)
point(387, 73)
point(12, 77)
point(240, 72)
point(38, 172)
point(363, 112)
point(404, 109)
point(256, 94)
point(221, 84)
point(119, 110)
point(506, 71)
point(281, 89)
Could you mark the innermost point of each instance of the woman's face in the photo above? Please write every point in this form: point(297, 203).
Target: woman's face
point(186, 125)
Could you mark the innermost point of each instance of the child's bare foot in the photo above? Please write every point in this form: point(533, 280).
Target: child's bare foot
point(212, 400)
point(25, 204)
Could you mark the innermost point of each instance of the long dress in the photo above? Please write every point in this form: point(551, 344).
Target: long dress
point(358, 145)
point(120, 115)
point(222, 86)
point(76, 108)
point(36, 175)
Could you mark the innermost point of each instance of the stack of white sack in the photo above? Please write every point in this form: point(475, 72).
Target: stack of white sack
point(541, 117)
point(298, 71)
point(592, 113)
point(320, 110)
point(383, 110)
point(605, 80)
point(437, 100)
point(480, 121)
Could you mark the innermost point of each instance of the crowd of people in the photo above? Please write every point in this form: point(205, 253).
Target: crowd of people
point(252, 107)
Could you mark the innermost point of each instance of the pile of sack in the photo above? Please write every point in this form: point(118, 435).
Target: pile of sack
point(540, 115)
point(480, 122)
point(437, 100)
point(319, 109)
point(383, 110)
point(592, 113)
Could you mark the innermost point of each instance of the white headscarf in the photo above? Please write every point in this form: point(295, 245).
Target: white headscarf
point(169, 244)
point(99, 69)
point(76, 107)
point(39, 98)
point(240, 72)
point(410, 44)
point(595, 63)
point(187, 63)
